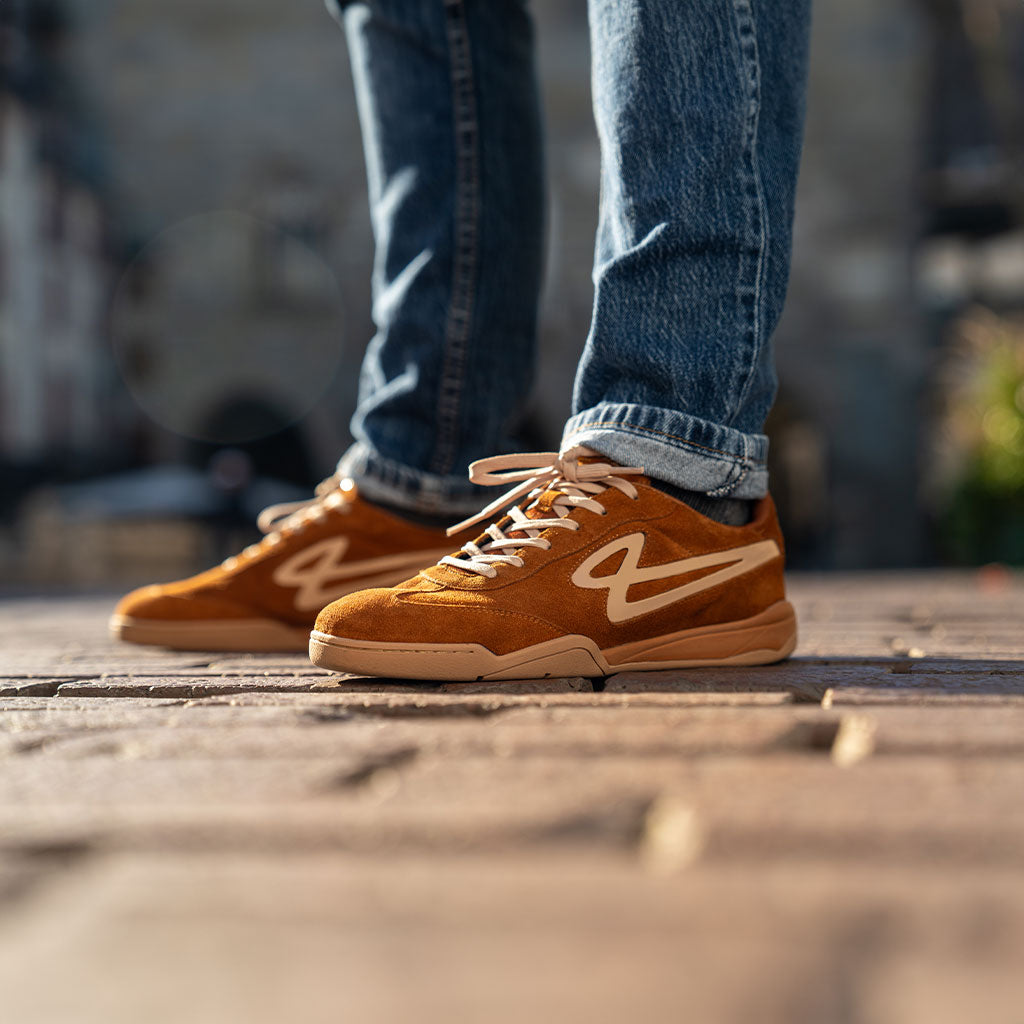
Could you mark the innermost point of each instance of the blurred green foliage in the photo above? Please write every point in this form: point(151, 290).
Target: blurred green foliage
point(983, 515)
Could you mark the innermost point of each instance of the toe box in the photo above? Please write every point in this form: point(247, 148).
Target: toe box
point(166, 603)
point(441, 617)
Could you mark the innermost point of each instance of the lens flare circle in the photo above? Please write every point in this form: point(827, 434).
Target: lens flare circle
point(224, 311)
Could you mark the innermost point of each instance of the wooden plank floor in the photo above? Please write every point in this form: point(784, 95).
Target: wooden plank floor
point(219, 838)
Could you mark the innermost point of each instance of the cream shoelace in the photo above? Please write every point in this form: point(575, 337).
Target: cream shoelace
point(293, 516)
point(537, 472)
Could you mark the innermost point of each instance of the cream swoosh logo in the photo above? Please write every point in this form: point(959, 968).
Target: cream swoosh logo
point(320, 574)
point(734, 562)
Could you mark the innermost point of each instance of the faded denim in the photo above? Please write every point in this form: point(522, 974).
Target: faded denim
point(699, 108)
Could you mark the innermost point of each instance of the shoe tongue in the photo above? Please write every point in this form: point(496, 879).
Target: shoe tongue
point(541, 507)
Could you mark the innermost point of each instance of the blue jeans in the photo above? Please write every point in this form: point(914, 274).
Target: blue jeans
point(699, 107)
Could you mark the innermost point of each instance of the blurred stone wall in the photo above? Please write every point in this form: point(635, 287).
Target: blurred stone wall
point(54, 283)
point(851, 349)
point(246, 106)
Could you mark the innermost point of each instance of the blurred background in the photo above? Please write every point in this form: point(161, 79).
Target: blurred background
point(185, 256)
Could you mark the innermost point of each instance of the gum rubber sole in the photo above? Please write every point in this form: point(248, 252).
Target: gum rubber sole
point(258, 635)
point(762, 639)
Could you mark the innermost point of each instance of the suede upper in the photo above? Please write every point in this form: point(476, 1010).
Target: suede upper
point(521, 606)
point(256, 582)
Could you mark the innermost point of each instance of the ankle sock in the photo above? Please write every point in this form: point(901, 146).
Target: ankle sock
point(728, 511)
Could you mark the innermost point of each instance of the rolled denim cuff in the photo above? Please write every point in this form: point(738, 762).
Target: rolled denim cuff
point(675, 447)
point(399, 486)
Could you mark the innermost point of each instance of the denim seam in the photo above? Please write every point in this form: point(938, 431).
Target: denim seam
point(712, 452)
point(420, 490)
point(734, 480)
point(757, 214)
point(458, 325)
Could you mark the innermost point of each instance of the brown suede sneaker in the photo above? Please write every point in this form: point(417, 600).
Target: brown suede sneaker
point(594, 572)
point(267, 597)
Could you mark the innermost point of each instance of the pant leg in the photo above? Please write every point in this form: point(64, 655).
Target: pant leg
point(449, 109)
point(699, 107)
